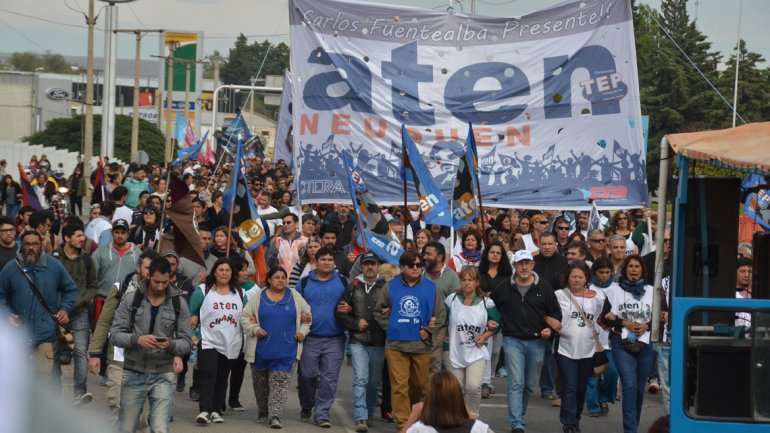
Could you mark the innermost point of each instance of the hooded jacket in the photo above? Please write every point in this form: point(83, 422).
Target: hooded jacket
point(17, 297)
point(167, 324)
point(111, 268)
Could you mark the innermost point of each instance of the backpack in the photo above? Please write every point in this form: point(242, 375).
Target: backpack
point(137, 302)
point(303, 283)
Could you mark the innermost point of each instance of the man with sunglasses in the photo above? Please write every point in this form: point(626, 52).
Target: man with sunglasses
point(285, 247)
point(410, 310)
point(596, 244)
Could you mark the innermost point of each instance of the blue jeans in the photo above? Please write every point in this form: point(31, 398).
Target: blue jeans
point(633, 369)
point(321, 357)
point(523, 359)
point(548, 372)
point(81, 334)
point(664, 359)
point(367, 375)
point(574, 378)
point(11, 210)
point(602, 389)
point(138, 387)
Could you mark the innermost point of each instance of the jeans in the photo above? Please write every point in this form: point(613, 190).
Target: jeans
point(664, 359)
point(367, 373)
point(12, 210)
point(321, 357)
point(602, 389)
point(633, 369)
point(523, 360)
point(81, 333)
point(574, 378)
point(548, 372)
point(137, 387)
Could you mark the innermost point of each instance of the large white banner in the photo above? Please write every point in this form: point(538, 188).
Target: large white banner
point(553, 98)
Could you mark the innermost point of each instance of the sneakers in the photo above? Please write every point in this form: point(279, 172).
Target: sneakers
point(485, 391)
point(65, 358)
point(556, 402)
point(203, 418)
point(569, 430)
point(653, 386)
point(262, 417)
point(83, 399)
point(275, 423)
point(361, 426)
point(502, 372)
point(388, 417)
point(216, 418)
point(370, 421)
point(605, 409)
point(517, 430)
point(323, 423)
point(305, 414)
point(550, 396)
point(237, 406)
point(103, 380)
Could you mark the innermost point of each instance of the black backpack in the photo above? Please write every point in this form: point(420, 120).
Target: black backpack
point(137, 302)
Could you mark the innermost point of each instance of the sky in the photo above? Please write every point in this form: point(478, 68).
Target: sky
point(58, 26)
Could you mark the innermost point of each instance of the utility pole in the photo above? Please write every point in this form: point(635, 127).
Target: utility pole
point(188, 66)
point(88, 143)
point(137, 72)
point(172, 45)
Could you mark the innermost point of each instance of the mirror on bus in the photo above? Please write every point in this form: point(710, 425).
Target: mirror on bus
point(727, 365)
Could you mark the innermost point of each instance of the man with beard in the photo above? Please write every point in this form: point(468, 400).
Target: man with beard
point(81, 268)
point(19, 303)
point(447, 282)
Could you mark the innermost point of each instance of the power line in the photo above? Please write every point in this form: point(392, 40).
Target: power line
point(135, 16)
point(43, 19)
point(23, 36)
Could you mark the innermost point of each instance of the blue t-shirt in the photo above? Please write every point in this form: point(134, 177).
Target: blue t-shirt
point(411, 308)
point(323, 297)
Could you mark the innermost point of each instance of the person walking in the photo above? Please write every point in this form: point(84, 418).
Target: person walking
point(216, 306)
point(472, 320)
point(272, 321)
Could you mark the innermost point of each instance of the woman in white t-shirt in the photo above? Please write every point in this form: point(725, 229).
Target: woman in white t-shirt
point(628, 310)
point(444, 409)
point(217, 305)
point(472, 320)
point(580, 306)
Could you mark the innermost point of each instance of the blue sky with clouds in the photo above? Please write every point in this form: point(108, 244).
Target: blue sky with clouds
point(222, 20)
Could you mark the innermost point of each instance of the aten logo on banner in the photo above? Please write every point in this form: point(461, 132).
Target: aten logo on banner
point(57, 94)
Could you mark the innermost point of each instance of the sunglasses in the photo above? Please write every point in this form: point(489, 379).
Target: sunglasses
point(415, 265)
point(597, 240)
point(562, 228)
point(540, 222)
point(622, 219)
point(288, 222)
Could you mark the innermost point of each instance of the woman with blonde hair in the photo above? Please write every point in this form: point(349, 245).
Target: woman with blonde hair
point(444, 409)
point(472, 320)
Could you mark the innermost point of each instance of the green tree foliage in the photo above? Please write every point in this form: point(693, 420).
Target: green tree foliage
point(48, 62)
point(244, 61)
point(675, 95)
point(67, 133)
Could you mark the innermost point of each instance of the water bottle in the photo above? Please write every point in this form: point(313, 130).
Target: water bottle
point(194, 356)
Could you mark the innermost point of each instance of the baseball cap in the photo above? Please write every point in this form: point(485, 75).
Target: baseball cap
point(369, 257)
point(120, 224)
point(522, 255)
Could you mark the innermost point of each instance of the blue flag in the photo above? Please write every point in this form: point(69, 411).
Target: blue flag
point(376, 230)
point(432, 202)
point(192, 152)
point(236, 130)
point(245, 217)
point(180, 129)
point(464, 198)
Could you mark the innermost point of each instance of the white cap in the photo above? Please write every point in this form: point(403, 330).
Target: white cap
point(522, 255)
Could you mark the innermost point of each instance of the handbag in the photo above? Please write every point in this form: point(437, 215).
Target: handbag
point(63, 333)
point(601, 362)
point(633, 346)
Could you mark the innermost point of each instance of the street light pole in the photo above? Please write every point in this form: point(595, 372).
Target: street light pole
point(88, 142)
point(137, 72)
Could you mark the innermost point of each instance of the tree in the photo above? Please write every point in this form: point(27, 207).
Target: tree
point(67, 133)
point(48, 62)
point(753, 89)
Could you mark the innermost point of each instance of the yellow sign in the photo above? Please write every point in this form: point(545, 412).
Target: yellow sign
point(180, 37)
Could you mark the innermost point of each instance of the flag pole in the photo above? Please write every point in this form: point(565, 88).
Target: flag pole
point(481, 206)
point(236, 178)
point(163, 211)
point(361, 231)
point(403, 217)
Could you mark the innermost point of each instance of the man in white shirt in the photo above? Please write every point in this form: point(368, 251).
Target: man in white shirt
point(122, 212)
point(264, 208)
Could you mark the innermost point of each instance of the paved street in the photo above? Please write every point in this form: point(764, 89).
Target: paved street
point(541, 417)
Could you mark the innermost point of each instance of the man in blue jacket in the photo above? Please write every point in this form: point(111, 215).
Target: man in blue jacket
point(19, 303)
point(324, 347)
